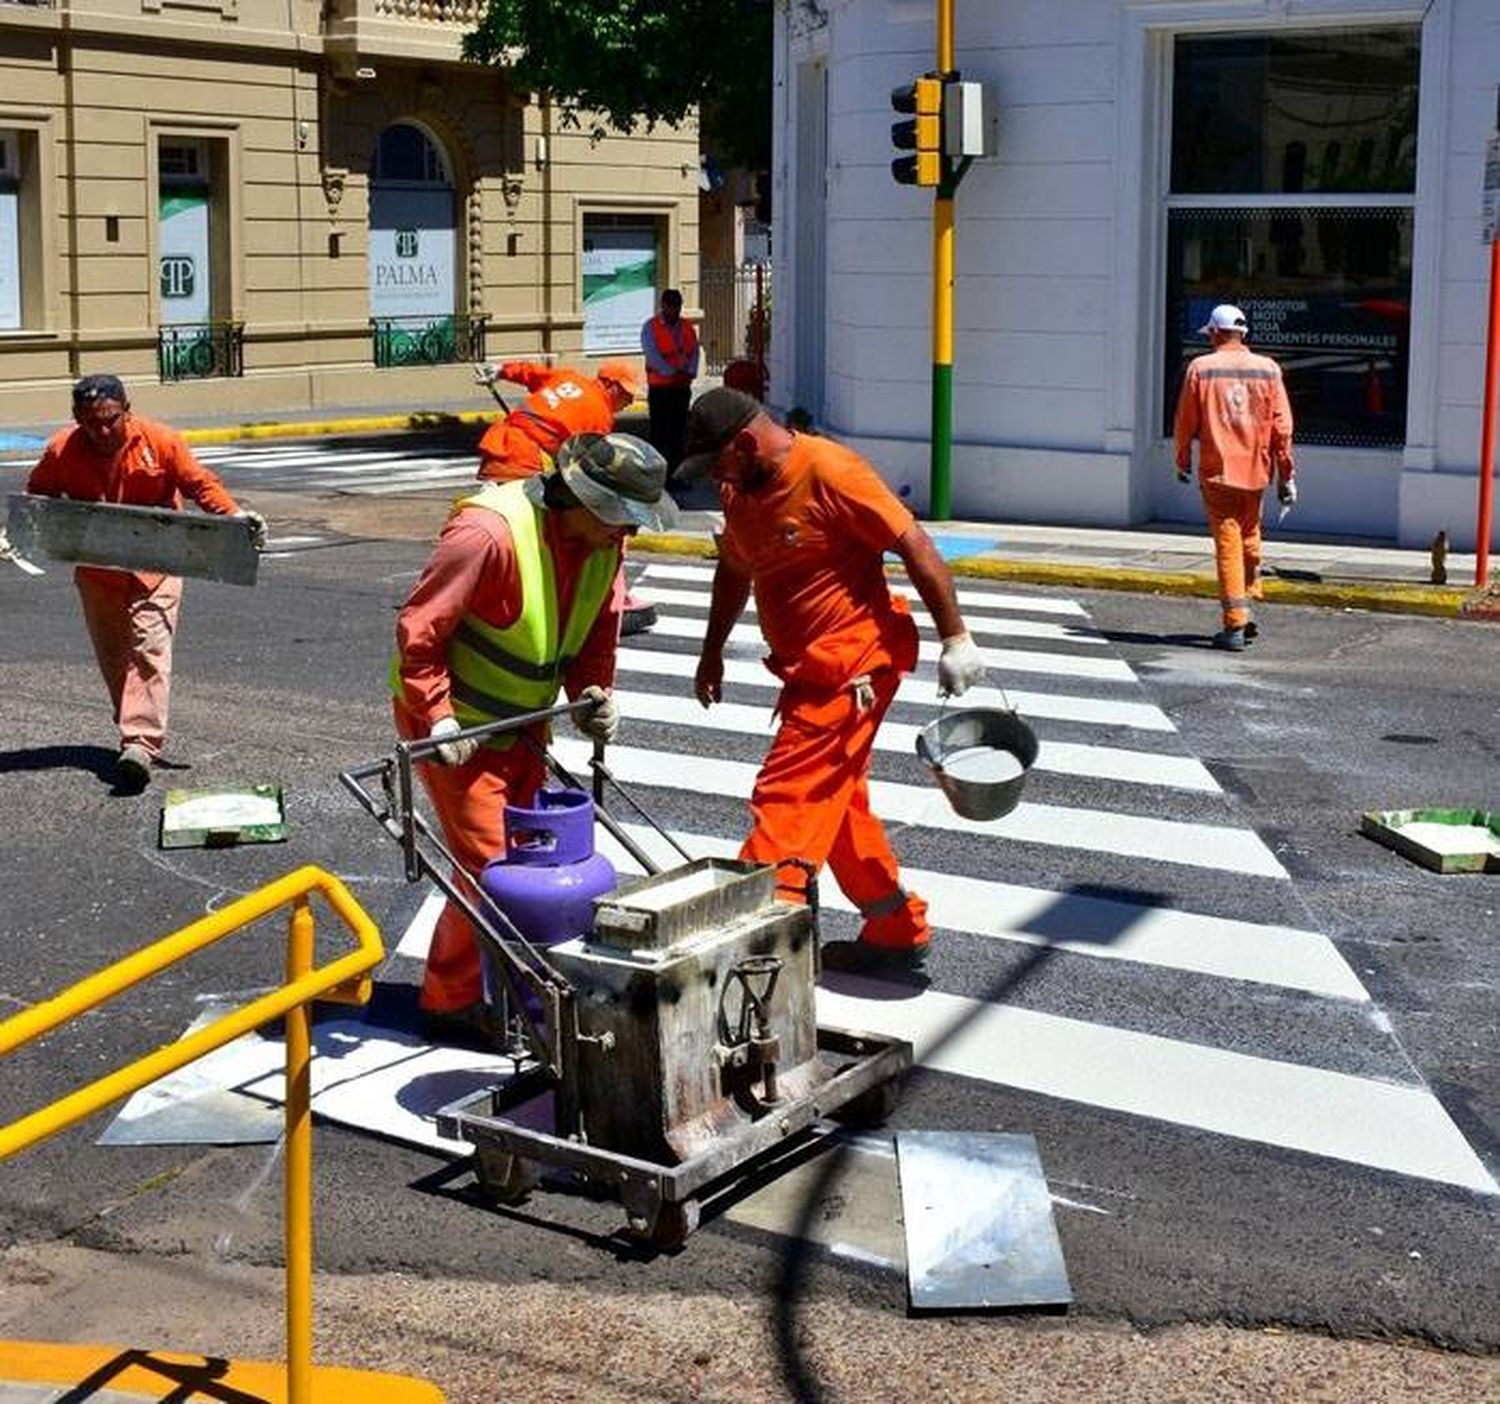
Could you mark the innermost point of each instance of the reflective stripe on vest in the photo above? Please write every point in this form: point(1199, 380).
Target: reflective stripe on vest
point(498, 673)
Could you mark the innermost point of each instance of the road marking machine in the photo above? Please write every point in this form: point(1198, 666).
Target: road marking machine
point(662, 1028)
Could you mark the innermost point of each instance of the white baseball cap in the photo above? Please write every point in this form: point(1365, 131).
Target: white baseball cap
point(1225, 317)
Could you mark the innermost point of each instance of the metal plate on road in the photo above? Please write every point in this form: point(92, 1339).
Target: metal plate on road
point(196, 544)
point(979, 1229)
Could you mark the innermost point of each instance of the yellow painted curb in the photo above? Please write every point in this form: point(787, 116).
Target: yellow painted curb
point(420, 419)
point(153, 1374)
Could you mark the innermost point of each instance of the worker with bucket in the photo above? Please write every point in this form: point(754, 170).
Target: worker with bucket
point(521, 598)
point(807, 523)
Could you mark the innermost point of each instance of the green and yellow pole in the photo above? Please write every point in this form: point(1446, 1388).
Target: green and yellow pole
point(940, 488)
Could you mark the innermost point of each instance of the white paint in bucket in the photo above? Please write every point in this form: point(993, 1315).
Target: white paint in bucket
point(982, 765)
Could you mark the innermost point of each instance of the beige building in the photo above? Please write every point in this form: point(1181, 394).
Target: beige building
point(261, 206)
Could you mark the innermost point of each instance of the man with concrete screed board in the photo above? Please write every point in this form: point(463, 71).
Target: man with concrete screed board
point(807, 523)
point(112, 455)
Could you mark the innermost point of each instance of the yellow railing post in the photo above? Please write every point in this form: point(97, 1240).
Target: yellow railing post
point(297, 1186)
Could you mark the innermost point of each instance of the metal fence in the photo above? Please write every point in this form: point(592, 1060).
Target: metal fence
point(200, 350)
point(427, 341)
point(730, 298)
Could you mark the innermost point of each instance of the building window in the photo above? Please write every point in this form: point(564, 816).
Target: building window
point(193, 285)
point(413, 253)
point(1293, 171)
point(21, 298)
point(620, 258)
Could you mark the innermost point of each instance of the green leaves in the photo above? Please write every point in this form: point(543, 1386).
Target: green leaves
point(635, 63)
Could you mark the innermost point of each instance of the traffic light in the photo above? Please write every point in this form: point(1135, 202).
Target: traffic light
point(921, 133)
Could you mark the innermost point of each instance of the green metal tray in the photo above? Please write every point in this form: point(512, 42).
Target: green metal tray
point(1396, 828)
point(220, 817)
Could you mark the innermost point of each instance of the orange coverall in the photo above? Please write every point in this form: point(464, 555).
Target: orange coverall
point(131, 615)
point(562, 403)
point(1235, 404)
point(473, 571)
point(812, 542)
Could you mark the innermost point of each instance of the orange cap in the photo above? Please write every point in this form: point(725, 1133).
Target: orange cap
point(623, 373)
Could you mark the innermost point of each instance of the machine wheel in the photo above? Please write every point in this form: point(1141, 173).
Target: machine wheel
point(872, 1107)
point(671, 1227)
point(503, 1177)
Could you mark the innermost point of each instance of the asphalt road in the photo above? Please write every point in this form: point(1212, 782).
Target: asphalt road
point(1162, 1218)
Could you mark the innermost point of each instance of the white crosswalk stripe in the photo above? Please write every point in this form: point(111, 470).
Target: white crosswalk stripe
point(1112, 787)
point(343, 468)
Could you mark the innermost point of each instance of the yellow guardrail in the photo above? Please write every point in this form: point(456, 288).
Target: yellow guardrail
point(345, 980)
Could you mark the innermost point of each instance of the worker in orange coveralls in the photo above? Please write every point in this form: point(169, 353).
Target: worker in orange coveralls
point(112, 455)
point(807, 523)
point(521, 597)
point(561, 402)
point(1235, 404)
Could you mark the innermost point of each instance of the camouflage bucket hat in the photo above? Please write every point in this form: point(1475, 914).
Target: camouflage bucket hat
point(621, 479)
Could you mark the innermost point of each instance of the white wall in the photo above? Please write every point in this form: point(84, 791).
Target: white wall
point(1060, 245)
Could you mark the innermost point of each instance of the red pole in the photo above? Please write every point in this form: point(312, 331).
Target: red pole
point(760, 329)
point(1487, 430)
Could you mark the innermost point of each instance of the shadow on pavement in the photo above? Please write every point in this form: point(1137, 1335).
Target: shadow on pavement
point(95, 760)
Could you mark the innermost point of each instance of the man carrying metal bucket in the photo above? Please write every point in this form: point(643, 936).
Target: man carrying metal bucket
point(807, 523)
point(521, 598)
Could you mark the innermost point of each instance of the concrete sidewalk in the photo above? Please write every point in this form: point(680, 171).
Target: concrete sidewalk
point(1160, 558)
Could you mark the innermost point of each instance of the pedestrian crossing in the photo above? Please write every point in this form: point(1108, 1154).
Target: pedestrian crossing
point(355, 469)
point(1123, 940)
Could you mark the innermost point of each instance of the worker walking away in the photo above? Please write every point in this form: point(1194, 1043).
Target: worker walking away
point(562, 402)
point(806, 525)
point(1235, 404)
point(521, 597)
point(670, 346)
point(110, 454)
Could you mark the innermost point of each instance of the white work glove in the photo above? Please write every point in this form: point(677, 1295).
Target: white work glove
point(257, 528)
point(960, 666)
point(486, 373)
point(1286, 492)
point(453, 753)
point(602, 723)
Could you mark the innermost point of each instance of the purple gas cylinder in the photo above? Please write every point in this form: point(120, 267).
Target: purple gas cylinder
point(548, 878)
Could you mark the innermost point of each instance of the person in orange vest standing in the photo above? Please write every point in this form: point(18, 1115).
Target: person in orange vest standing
point(671, 349)
point(807, 524)
point(562, 402)
point(112, 455)
point(1235, 404)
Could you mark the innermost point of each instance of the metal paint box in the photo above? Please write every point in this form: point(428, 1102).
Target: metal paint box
point(666, 986)
point(195, 544)
point(1412, 833)
point(219, 818)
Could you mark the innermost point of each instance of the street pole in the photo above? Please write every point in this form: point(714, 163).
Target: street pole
point(940, 491)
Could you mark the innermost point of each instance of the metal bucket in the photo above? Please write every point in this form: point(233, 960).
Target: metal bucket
point(993, 734)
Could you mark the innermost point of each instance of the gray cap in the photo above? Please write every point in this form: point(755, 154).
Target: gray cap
point(621, 479)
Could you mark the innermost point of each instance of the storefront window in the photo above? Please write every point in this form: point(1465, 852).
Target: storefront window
point(1328, 118)
point(1326, 292)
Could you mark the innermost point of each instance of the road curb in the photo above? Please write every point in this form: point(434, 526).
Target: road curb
point(418, 419)
point(1394, 598)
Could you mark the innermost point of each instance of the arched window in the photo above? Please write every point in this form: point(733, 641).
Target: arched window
point(413, 251)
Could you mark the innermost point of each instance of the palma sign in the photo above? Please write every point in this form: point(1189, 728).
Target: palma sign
point(411, 253)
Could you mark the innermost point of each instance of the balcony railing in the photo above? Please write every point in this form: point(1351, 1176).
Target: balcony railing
point(428, 341)
point(464, 12)
point(200, 350)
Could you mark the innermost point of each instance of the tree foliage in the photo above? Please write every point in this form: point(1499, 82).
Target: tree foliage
point(640, 62)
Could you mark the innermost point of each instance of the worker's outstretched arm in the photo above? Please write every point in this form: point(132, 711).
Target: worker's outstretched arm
point(731, 590)
point(960, 664)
